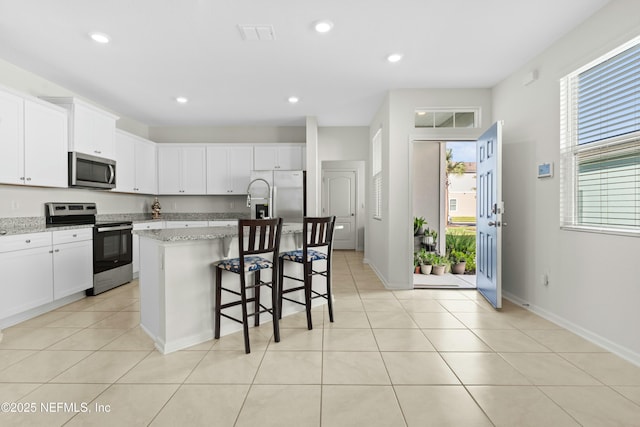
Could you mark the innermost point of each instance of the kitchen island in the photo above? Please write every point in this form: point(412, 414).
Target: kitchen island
point(177, 268)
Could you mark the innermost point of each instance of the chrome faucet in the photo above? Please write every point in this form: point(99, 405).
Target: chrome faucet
point(270, 199)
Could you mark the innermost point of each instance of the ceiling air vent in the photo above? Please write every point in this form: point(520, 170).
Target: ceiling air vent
point(257, 33)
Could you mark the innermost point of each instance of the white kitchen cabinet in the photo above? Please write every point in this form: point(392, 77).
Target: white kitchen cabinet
point(182, 169)
point(12, 137)
point(72, 261)
point(223, 223)
point(34, 142)
point(278, 156)
point(91, 130)
point(135, 164)
point(27, 279)
point(186, 224)
point(228, 168)
point(136, 241)
point(45, 144)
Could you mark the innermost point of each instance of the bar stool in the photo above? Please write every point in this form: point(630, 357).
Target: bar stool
point(263, 238)
point(318, 233)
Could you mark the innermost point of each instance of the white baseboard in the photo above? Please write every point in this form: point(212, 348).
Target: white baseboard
point(35, 312)
point(599, 340)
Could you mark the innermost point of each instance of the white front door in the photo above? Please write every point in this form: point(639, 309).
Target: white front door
point(339, 199)
point(490, 209)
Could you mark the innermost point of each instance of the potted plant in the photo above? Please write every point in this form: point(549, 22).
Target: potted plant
point(425, 266)
point(418, 225)
point(416, 263)
point(439, 264)
point(458, 261)
point(430, 240)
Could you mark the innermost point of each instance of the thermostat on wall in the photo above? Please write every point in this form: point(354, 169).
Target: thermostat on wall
point(545, 170)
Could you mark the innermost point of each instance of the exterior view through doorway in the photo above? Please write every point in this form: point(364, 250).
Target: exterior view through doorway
point(443, 177)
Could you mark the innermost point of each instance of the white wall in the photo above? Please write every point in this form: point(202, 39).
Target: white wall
point(17, 201)
point(594, 284)
point(395, 232)
point(343, 143)
point(425, 164)
point(229, 134)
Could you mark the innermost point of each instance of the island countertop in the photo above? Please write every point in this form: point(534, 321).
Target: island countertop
point(203, 233)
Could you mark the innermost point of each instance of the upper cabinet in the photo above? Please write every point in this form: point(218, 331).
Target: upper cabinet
point(278, 156)
point(91, 130)
point(228, 168)
point(34, 142)
point(182, 169)
point(136, 170)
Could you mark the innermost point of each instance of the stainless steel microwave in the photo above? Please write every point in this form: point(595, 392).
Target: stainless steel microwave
point(87, 171)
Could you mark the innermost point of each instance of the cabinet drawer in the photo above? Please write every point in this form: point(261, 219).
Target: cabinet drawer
point(75, 235)
point(24, 241)
point(148, 225)
point(223, 223)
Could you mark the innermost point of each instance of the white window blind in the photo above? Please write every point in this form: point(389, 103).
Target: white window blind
point(600, 143)
point(376, 169)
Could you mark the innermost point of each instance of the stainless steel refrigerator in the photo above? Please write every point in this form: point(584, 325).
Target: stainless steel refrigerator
point(288, 194)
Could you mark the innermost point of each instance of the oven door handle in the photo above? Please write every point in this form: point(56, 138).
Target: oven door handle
point(121, 227)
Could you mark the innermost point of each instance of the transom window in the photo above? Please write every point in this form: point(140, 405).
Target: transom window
point(446, 118)
point(600, 144)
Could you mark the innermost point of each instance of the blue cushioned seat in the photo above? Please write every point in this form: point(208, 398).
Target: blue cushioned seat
point(251, 263)
point(297, 256)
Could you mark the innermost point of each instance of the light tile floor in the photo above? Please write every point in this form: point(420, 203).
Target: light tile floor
point(418, 358)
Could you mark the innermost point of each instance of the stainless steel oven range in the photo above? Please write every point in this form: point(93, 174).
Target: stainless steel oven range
point(112, 243)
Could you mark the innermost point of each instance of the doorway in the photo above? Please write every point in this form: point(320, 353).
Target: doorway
point(443, 195)
point(342, 195)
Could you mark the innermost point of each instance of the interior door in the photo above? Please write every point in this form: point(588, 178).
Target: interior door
point(339, 199)
point(490, 209)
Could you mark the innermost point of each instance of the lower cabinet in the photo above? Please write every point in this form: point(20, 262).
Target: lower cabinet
point(27, 281)
point(72, 262)
point(39, 268)
point(136, 242)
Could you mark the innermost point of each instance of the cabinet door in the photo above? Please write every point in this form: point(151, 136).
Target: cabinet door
point(265, 157)
point(290, 157)
point(45, 145)
point(217, 170)
point(125, 163)
point(72, 268)
point(27, 280)
point(83, 140)
point(94, 132)
point(240, 162)
point(194, 170)
point(169, 170)
point(145, 167)
point(104, 132)
point(11, 139)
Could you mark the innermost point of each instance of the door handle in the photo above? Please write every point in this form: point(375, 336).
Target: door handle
point(494, 223)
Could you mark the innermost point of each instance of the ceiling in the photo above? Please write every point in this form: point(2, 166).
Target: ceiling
point(161, 49)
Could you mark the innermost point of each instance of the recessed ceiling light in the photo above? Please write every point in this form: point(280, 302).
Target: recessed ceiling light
point(323, 26)
point(293, 100)
point(182, 100)
point(394, 57)
point(100, 38)
point(422, 113)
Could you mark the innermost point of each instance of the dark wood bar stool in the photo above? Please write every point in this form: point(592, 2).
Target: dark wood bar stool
point(318, 233)
point(263, 239)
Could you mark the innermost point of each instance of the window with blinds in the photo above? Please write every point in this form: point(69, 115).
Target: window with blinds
point(600, 144)
point(376, 169)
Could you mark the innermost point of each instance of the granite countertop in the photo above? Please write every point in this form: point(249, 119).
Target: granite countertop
point(204, 233)
point(36, 224)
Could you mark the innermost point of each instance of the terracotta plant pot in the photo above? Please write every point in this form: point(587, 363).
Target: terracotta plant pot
point(438, 270)
point(425, 269)
point(458, 268)
point(417, 269)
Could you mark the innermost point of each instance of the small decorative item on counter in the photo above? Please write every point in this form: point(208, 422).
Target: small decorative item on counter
point(155, 209)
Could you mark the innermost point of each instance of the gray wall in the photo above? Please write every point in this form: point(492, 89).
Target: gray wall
point(594, 285)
